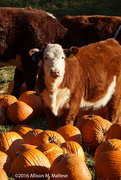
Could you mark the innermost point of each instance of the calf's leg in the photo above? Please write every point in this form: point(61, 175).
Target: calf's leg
point(30, 73)
point(70, 114)
point(114, 106)
point(52, 119)
point(18, 81)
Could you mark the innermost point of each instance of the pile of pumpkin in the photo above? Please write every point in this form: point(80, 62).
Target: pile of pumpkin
point(105, 139)
point(34, 153)
point(21, 110)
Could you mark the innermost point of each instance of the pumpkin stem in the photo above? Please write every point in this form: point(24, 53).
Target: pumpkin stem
point(53, 140)
point(91, 115)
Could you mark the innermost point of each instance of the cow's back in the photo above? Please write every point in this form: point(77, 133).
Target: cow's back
point(91, 28)
point(22, 29)
point(106, 53)
point(101, 66)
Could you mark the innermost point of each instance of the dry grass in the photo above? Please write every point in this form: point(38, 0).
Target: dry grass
point(6, 75)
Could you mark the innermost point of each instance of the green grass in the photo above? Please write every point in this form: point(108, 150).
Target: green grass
point(5, 128)
point(60, 8)
point(89, 159)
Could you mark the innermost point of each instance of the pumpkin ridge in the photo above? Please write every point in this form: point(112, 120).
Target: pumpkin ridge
point(52, 148)
point(29, 154)
point(28, 162)
point(70, 164)
point(117, 145)
point(5, 162)
point(34, 160)
point(16, 164)
point(4, 136)
point(108, 166)
point(12, 145)
point(73, 148)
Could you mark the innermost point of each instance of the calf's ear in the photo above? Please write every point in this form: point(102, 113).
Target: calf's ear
point(72, 51)
point(36, 54)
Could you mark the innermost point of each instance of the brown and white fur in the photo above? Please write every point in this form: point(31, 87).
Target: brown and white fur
point(80, 78)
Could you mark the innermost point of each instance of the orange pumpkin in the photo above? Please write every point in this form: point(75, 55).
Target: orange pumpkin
point(19, 112)
point(82, 120)
point(5, 162)
point(47, 137)
point(108, 145)
point(3, 175)
point(6, 100)
point(108, 165)
point(94, 131)
point(28, 137)
point(24, 147)
point(70, 133)
point(3, 119)
point(32, 164)
point(22, 129)
point(102, 111)
point(33, 99)
point(50, 150)
point(73, 147)
point(70, 166)
point(9, 142)
point(114, 131)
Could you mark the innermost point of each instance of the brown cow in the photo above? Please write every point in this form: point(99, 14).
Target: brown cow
point(90, 29)
point(22, 29)
point(80, 78)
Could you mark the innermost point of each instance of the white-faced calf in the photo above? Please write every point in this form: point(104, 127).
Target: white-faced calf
point(87, 77)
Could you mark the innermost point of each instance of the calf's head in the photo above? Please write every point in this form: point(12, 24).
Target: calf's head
point(54, 59)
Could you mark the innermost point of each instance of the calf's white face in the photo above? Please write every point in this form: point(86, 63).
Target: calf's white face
point(54, 61)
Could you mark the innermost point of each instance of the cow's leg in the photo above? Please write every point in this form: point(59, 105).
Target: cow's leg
point(52, 119)
point(18, 81)
point(114, 109)
point(30, 73)
point(70, 114)
point(64, 117)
